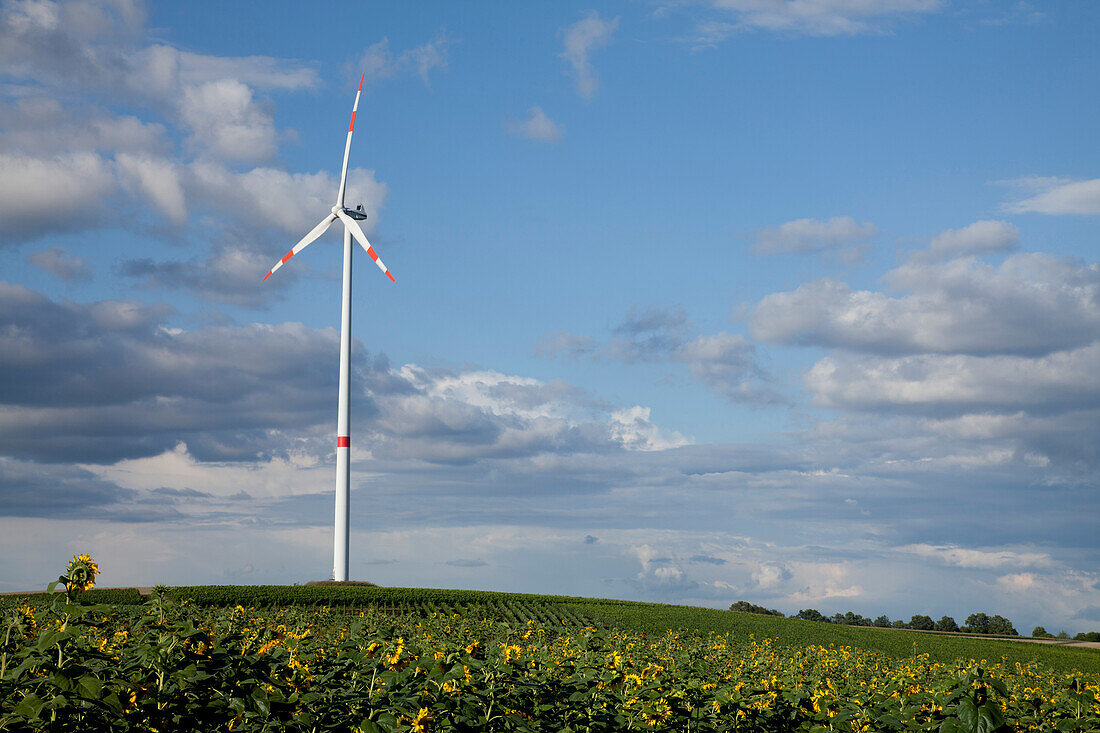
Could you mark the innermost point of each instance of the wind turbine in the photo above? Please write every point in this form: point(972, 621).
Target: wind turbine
point(343, 434)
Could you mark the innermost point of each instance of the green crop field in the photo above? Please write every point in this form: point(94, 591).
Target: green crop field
point(327, 658)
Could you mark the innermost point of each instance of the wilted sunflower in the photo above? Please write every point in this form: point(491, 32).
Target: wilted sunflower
point(81, 573)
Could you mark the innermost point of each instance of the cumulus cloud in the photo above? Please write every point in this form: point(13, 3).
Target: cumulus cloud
point(1055, 196)
point(252, 392)
point(812, 235)
point(290, 202)
point(57, 194)
point(225, 119)
point(821, 17)
point(157, 180)
point(979, 238)
point(66, 267)
point(1030, 304)
point(230, 273)
point(727, 364)
point(82, 154)
point(959, 384)
point(582, 39)
point(537, 126)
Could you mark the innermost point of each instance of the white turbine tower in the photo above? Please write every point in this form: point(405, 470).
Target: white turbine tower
point(343, 433)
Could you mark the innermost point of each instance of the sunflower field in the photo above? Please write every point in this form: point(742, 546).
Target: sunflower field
point(71, 665)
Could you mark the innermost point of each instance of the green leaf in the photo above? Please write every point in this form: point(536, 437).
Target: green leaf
point(967, 714)
point(90, 686)
point(29, 707)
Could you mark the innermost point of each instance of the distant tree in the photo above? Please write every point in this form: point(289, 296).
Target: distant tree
point(1087, 636)
point(836, 618)
point(1062, 635)
point(924, 623)
point(746, 607)
point(899, 624)
point(883, 621)
point(1002, 627)
point(810, 614)
point(977, 623)
point(947, 624)
point(854, 619)
point(1041, 633)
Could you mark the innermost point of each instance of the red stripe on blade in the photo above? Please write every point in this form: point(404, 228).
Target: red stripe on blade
point(352, 125)
point(288, 255)
point(390, 276)
point(364, 76)
point(372, 253)
point(266, 277)
point(343, 441)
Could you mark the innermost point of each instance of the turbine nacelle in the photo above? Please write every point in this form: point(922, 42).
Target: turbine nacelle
point(349, 217)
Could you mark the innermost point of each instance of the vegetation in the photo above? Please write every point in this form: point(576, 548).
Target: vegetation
point(429, 660)
point(746, 607)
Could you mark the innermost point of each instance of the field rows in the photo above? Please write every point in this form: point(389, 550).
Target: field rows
point(491, 665)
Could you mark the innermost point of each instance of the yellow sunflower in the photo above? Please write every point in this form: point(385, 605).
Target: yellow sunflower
point(81, 573)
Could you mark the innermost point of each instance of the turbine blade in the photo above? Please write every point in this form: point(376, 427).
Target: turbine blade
point(347, 146)
point(305, 242)
point(356, 232)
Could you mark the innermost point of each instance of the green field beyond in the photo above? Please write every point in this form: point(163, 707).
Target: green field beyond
point(309, 658)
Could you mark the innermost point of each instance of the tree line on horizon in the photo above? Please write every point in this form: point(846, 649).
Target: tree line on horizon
point(976, 623)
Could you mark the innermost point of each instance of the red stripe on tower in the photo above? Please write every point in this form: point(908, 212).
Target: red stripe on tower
point(343, 441)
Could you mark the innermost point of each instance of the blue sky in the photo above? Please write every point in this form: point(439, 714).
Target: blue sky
point(792, 301)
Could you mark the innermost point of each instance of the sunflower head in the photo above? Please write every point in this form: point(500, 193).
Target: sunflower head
point(81, 574)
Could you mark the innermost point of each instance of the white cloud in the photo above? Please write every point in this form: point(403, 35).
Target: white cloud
point(292, 202)
point(51, 195)
point(1056, 196)
point(981, 237)
point(378, 62)
point(634, 430)
point(972, 557)
point(581, 40)
point(157, 180)
point(956, 384)
point(226, 120)
point(812, 235)
point(823, 17)
point(537, 126)
point(297, 472)
point(726, 363)
point(821, 581)
point(1030, 304)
